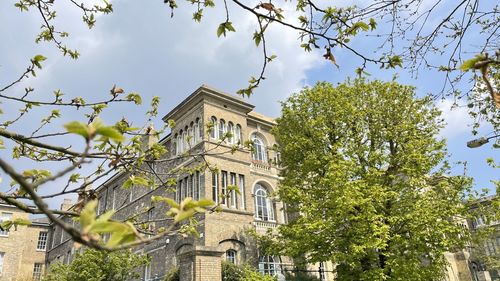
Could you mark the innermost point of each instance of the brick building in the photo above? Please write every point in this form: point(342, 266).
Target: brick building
point(223, 235)
point(22, 250)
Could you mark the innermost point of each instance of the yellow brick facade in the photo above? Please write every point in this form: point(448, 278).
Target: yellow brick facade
point(19, 248)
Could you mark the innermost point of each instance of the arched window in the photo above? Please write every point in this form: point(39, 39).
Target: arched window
point(222, 128)
point(213, 132)
point(185, 145)
point(191, 135)
point(196, 129)
point(175, 146)
point(263, 205)
point(270, 265)
point(230, 129)
point(237, 134)
point(231, 256)
point(180, 143)
point(259, 147)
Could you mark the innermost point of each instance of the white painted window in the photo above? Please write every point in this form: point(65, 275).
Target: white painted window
point(190, 186)
point(263, 205)
point(2, 256)
point(197, 132)
point(191, 135)
point(178, 143)
point(42, 241)
point(147, 272)
point(215, 187)
point(179, 191)
point(241, 185)
point(259, 149)
point(224, 187)
point(4, 216)
point(230, 129)
point(270, 265)
point(231, 256)
point(233, 198)
point(237, 135)
point(37, 271)
point(222, 128)
point(185, 145)
point(214, 130)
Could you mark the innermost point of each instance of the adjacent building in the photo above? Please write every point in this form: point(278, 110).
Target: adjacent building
point(485, 255)
point(22, 250)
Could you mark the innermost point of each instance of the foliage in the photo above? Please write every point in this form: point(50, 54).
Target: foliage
point(232, 272)
point(366, 179)
point(173, 275)
point(300, 276)
point(94, 265)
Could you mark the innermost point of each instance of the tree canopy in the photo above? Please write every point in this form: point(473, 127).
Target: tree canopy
point(366, 183)
point(93, 265)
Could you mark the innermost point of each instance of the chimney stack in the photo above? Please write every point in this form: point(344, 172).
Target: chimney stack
point(67, 203)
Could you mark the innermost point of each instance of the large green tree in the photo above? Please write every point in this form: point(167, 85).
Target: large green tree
point(365, 179)
point(93, 265)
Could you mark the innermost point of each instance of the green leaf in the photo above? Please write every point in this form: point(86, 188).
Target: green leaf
point(221, 30)
point(78, 128)
point(469, 64)
point(205, 203)
point(229, 26)
point(111, 133)
point(135, 97)
point(182, 215)
point(88, 214)
point(36, 60)
point(257, 37)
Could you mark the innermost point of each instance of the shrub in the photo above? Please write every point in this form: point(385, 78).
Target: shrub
point(245, 272)
point(173, 275)
point(300, 276)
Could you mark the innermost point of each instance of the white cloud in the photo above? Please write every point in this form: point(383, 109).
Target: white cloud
point(140, 48)
point(456, 118)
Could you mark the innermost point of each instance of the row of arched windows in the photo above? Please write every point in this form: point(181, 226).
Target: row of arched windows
point(188, 137)
point(193, 134)
point(220, 128)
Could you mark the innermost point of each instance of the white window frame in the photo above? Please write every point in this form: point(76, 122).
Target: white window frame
point(241, 184)
point(231, 256)
point(37, 271)
point(215, 128)
point(263, 205)
point(41, 244)
point(224, 181)
point(234, 201)
point(2, 257)
point(215, 187)
point(198, 130)
point(230, 129)
point(147, 272)
point(259, 146)
point(237, 133)
point(270, 265)
point(222, 128)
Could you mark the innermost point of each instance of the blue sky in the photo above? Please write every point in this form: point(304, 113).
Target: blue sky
point(140, 48)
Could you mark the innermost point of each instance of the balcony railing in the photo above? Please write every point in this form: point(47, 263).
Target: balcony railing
point(265, 225)
point(261, 165)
